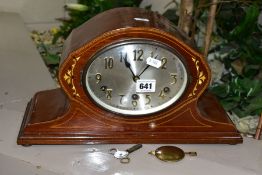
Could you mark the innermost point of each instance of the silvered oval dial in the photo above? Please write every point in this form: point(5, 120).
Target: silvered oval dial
point(135, 77)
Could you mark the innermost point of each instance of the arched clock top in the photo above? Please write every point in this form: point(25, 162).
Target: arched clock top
point(114, 20)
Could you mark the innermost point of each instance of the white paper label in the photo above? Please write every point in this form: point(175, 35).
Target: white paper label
point(145, 85)
point(153, 62)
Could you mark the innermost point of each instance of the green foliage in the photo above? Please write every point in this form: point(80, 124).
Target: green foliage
point(243, 41)
point(240, 89)
point(247, 25)
point(50, 59)
point(78, 15)
point(242, 96)
point(49, 52)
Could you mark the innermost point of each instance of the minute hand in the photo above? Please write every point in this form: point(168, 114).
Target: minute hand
point(143, 71)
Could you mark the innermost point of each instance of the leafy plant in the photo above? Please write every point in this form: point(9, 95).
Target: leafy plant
point(48, 51)
point(240, 88)
point(238, 39)
point(242, 96)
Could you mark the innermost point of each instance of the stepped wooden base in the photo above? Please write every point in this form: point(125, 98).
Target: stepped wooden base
point(51, 119)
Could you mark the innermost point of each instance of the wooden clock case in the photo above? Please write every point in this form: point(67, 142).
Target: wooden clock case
point(68, 115)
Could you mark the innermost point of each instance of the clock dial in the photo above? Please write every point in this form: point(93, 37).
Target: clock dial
point(135, 77)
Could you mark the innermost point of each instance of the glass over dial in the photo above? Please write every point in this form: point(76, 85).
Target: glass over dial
point(135, 77)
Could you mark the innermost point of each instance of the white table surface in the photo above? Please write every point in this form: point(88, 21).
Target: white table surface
point(22, 73)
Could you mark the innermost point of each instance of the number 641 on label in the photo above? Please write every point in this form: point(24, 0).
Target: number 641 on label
point(145, 85)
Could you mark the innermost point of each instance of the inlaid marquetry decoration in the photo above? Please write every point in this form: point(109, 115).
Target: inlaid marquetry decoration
point(200, 78)
point(69, 77)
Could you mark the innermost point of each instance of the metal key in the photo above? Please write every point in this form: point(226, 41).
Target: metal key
point(123, 155)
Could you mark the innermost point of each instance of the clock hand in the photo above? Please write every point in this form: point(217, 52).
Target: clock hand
point(127, 64)
point(143, 70)
point(147, 67)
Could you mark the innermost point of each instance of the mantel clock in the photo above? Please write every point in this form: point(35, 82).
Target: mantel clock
point(128, 76)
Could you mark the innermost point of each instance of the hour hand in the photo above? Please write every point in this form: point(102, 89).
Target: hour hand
point(127, 64)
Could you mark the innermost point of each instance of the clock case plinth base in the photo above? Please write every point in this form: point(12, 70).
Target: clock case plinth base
point(57, 121)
